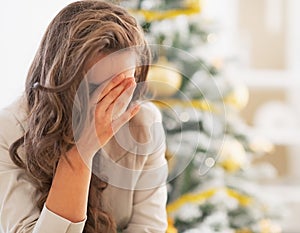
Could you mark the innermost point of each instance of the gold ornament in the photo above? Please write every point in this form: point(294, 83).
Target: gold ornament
point(267, 226)
point(261, 145)
point(244, 230)
point(232, 156)
point(163, 79)
point(218, 63)
point(238, 97)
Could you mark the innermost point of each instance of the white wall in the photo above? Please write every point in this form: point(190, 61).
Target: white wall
point(22, 24)
point(293, 59)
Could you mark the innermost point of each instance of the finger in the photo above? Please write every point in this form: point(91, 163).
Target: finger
point(104, 87)
point(115, 93)
point(118, 80)
point(120, 105)
point(125, 117)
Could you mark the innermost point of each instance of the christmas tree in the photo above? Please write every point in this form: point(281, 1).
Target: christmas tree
point(212, 181)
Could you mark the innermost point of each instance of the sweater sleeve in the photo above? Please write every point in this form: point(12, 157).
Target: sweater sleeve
point(150, 195)
point(149, 204)
point(18, 210)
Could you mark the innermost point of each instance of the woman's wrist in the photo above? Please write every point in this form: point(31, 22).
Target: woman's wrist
point(77, 161)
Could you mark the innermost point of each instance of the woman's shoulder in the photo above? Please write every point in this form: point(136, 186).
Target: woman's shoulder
point(12, 122)
point(145, 129)
point(147, 115)
point(146, 123)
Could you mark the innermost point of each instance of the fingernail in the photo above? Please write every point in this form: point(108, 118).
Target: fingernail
point(120, 77)
point(135, 109)
point(129, 83)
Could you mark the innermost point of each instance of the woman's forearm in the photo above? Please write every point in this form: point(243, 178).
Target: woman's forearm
point(68, 195)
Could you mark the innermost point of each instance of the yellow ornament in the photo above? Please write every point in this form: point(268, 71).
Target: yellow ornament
point(163, 79)
point(261, 145)
point(238, 97)
point(267, 226)
point(232, 155)
point(244, 230)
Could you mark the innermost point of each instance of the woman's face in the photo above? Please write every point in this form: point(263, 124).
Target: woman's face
point(108, 66)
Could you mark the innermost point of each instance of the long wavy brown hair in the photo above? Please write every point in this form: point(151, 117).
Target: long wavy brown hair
point(75, 36)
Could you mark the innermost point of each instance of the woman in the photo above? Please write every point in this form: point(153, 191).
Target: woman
point(76, 155)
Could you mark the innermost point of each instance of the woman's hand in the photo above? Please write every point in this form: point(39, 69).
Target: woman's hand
point(108, 110)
